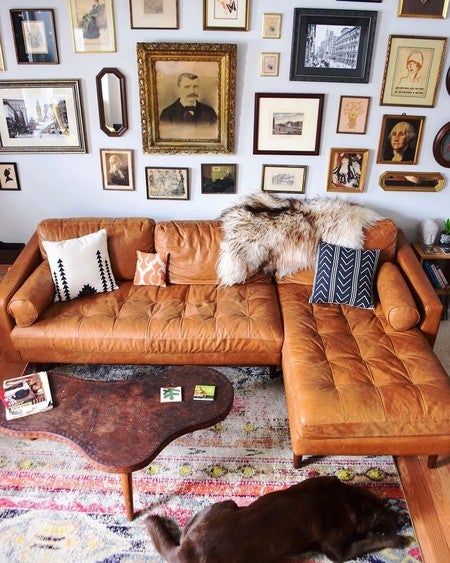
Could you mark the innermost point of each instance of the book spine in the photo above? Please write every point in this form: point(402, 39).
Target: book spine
point(431, 275)
point(438, 277)
point(441, 275)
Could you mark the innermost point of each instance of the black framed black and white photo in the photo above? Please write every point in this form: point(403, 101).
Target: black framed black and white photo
point(218, 178)
point(9, 178)
point(117, 169)
point(332, 45)
point(35, 36)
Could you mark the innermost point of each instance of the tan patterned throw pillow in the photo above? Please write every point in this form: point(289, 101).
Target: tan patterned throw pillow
point(150, 269)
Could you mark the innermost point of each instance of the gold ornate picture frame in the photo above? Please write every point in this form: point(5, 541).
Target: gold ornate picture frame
point(412, 181)
point(187, 94)
point(347, 170)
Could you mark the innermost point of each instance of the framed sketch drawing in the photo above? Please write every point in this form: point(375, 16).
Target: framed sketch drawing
point(353, 114)
point(226, 15)
point(272, 26)
point(413, 70)
point(93, 26)
point(270, 63)
point(41, 116)
point(400, 139)
point(287, 123)
point(347, 170)
point(154, 14)
point(283, 178)
point(218, 178)
point(187, 93)
point(423, 8)
point(441, 146)
point(34, 36)
point(117, 169)
point(167, 183)
point(332, 45)
point(9, 179)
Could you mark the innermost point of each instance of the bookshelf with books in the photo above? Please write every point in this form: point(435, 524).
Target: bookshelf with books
point(435, 261)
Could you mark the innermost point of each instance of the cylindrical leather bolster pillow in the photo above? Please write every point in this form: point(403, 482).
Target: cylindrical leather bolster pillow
point(33, 297)
point(396, 300)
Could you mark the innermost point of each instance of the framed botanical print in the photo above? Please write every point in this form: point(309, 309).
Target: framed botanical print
point(41, 116)
point(332, 45)
point(117, 169)
point(226, 15)
point(93, 26)
point(34, 36)
point(347, 170)
point(9, 179)
point(272, 26)
point(287, 123)
point(353, 114)
point(218, 178)
point(283, 178)
point(187, 93)
point(167, 183)
point(422, 8)
point(412, 71)
point(400, 139)
point(412, 181)
point(441, 146)
point(154, 14)
point(270, 63)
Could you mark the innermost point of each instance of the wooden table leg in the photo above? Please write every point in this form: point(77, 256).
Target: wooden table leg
point(127, 488)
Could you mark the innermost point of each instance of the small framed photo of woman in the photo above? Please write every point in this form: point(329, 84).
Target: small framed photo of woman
point(347, 170)
point(117, 169)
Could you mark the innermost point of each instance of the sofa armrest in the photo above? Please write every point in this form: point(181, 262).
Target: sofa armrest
point(427, 301)
point(26, 263)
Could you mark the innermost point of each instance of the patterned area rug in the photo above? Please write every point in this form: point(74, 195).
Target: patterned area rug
point(55, 507)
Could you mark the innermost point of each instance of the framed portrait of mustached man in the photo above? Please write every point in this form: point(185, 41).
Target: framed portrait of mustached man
point(226, 15)
point(187, 94)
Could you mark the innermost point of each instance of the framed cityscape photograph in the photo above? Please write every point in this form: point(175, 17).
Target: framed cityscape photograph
point(412, 71)
point(441, 146)
point(93, 26)
point(187, 93)
point(272, 26)
point(347, 170)
point(117, 169)
point(270, 63)
point(353, 114)
point(423, 8)
point(219, 178)
point(226, 15)
point(412, 181)
point(41, 116)
point(332, 45)
point(400, 139)
point(154, 14)
point(167, 183)
point(9, 178)
point(34, 36)
point(283, 178)
point(287, 123)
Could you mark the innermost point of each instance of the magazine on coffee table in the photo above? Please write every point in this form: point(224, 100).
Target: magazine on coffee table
point(26, 395)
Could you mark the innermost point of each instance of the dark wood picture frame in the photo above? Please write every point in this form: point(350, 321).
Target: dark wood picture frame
point(38, 44)
point(305, 63)
point(441, 146)
point(422, 9)
point(5, 178)
point(117, 176)
point(284, 178)
point(409, 134)
point(112, 131)
point(171, 183)
point(225, 184)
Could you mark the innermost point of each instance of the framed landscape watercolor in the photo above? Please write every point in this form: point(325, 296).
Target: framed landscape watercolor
point(283, 178)
point(41, 116)
point(441, 146)
point(117, 169)
point(287, 123)
point(154, 14)
point(270, 63)
point(353, 114)
point(93, 26)
point(412, 181)
point(226, 15)
point(9, 178)
point(219, 178)
point(423, 8)
point(34, 36)
point(347, 170)
point(187, 93)
point(412, 71)
point(167, 183)
point(272, 26)
point(332, 45)
point(400, 139)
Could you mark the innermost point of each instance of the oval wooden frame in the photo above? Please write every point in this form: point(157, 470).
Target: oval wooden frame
point(425, 175)
point(437, 145)
point(123, 102)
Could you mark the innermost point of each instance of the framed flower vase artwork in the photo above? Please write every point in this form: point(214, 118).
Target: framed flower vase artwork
point(441, 146)
point(219, 178)
point(272, 26)
point(283, 178)
point(347, 170)
point(34, 36)
point(117, 169)
point(226, 15)
point(287, 123)
point(9, 178)
point(400, 139)
point(270, 63)
point(93, 26)
point(353, 114)
point(412, 71)
point(154, 14)
point(332, 45)
point(167, 183)
point(423, 8)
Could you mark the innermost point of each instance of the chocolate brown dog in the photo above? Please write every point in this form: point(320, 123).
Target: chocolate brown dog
point(319, 514)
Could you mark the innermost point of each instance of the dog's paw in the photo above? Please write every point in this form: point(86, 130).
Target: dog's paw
point(400, 542)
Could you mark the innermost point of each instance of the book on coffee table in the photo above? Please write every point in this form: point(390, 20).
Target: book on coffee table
point(171, 395)
point(204, 393)
point(25, 395)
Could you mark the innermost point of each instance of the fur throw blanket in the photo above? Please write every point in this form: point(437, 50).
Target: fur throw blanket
point(264, 233)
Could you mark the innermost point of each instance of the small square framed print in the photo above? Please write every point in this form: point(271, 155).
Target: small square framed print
point(347, 170)
point(270, 63)
point(9, 179)
point(154, 14)
point(272, 26)
point(353, 114)
point(34, 36)
point(117, 169)
point(423, 8)
point(400, 139)
point(283, 178)
point(218, 178)
point(167, 183)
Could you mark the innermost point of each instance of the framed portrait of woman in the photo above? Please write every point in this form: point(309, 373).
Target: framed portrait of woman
point(93, 26)
point(35, 36)
point(400, 139)
point(347, 170)
point(117, 169)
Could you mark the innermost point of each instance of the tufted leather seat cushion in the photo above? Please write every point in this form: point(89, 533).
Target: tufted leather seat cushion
point(349, 374)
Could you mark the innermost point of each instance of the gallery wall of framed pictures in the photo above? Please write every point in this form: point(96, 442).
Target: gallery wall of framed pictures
point(274, 90)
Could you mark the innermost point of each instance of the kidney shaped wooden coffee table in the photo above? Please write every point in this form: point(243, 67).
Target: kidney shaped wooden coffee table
point(121, 426)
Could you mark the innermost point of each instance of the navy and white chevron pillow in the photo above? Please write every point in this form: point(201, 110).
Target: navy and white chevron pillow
point(344, 276)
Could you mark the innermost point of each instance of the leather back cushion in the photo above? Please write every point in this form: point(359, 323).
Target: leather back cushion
point(125, 237)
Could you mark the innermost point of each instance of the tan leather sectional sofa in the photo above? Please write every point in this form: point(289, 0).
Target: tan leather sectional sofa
point(356, 381)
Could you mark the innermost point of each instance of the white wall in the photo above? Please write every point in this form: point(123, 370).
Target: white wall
point(64, 185)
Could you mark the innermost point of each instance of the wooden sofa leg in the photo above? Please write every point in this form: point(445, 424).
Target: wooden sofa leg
point(297, 461)
point(432, 459)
